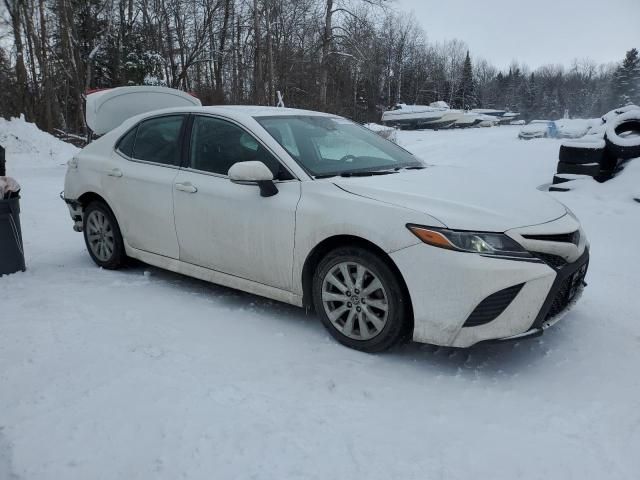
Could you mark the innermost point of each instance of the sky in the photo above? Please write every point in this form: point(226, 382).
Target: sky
point(535, 32)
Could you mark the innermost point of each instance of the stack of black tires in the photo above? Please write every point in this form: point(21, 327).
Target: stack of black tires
point(603, 152)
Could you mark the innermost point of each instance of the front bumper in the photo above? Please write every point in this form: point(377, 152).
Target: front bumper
point(564, 294)
point(446, 287)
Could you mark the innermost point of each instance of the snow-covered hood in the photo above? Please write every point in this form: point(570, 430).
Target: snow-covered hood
point(460, 199)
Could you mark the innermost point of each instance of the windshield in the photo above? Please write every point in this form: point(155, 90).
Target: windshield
point(327, 146)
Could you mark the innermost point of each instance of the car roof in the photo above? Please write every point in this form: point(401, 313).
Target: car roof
point(239, 112)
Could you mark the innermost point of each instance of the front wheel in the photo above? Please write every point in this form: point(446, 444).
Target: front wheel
point(102, 236)
point(360, 300)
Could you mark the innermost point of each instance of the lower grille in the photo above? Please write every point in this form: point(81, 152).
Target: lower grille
point(554, 261)
point(492, 306)
point(569, 281)
point(561, 299)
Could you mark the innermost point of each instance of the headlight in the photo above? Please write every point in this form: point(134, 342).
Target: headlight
point(493, 244)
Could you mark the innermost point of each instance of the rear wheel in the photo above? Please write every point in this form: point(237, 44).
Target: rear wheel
point(102, 236)
point(360, 300)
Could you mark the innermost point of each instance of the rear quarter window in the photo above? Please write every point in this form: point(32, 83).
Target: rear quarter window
point(125, 145)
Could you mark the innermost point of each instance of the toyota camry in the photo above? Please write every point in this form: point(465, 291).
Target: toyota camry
point(314, 210)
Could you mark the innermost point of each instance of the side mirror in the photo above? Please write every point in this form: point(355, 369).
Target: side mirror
point(254, 172)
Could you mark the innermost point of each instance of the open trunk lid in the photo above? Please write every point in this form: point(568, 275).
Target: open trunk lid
point(107, 109)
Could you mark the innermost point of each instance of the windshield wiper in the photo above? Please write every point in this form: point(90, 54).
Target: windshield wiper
point(368, 173)
point(357, 173)
point(412, 167)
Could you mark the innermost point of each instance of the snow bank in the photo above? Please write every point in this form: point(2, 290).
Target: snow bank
point(439, 104)
point(572, 128)
point(624, 187)
point(23, 139)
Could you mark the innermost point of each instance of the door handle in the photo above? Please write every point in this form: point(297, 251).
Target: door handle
point(186, 187)
point(116, 172)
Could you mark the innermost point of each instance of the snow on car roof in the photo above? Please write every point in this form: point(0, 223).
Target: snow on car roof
point(237, 111)
point(234, 112)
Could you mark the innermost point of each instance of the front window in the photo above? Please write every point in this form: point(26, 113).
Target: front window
point(216, 145)
point(327, 146)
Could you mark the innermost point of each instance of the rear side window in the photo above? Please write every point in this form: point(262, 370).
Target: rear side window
point(125, 145)
point(158, 140)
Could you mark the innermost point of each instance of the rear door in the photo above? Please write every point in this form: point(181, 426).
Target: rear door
point(140, 184)
point(229, 227)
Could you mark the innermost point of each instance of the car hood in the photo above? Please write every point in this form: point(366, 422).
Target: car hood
point(459, 198)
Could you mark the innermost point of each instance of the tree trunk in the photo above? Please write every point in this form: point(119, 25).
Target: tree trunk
point(219, 95)
point(48, 91)
point(324, 61)
point(258, 80)
point(22, 104)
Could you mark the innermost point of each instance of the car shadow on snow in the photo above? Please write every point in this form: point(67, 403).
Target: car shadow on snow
point(499, 358)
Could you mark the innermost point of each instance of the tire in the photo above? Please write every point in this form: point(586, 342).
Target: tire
point(360, 325)
point(581, 152)
point(592, 170)
point(106, 247)
point(618, 145)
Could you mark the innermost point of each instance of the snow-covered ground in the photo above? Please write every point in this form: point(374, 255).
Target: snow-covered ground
point(144, 374)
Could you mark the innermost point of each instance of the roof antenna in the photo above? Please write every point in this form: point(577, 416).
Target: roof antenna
point(280, 100)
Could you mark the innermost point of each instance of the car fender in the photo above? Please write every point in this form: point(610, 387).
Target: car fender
point(326, 211)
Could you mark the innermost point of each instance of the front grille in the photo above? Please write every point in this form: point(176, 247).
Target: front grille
point(567, 291)
point(568, 283)
point(573, 237)
point(492, 306)
point(554, 261)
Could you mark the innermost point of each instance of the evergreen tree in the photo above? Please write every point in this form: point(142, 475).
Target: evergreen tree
point(626, 80)
point(7, 107)
point(466, 95)
point(530, 96)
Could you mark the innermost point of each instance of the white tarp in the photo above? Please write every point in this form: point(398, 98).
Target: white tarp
point(107, 109)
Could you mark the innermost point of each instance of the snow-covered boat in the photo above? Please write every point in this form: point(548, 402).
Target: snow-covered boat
point(416, 116)
point(509, 117)
point(487, 120)
point(489, 111)
point(504, 117)
point(468, 119)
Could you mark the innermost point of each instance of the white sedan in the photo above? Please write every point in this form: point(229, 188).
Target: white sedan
point(313, 210)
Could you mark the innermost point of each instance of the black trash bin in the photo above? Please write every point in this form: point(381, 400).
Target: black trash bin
point(11, 250)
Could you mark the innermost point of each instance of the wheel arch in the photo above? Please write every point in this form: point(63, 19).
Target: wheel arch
point(331, 243)
point(86, 198)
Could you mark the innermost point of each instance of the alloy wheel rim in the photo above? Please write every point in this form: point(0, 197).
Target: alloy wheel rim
point(355, 301)
point(100, 236)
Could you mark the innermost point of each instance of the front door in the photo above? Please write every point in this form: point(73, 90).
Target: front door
point(229, 227)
